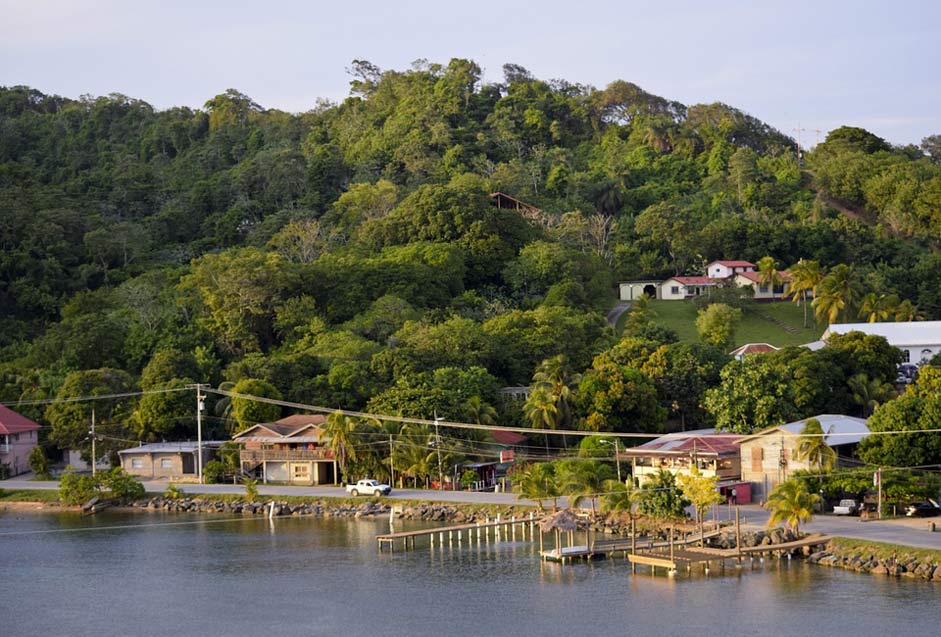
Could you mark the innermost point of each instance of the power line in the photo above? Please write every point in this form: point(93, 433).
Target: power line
point(77, 399)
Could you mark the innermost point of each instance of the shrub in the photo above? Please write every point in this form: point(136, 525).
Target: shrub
point(174, 492)
point(38, 462)
point(251, 490)
point(77, 489)
point(213, 472)
point(123, 485)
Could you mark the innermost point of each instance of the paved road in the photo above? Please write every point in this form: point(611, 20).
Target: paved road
point(908, 531)
point(159, 486)
point(911, 532)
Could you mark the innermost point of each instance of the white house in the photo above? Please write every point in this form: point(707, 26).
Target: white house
point(918, 340)
point(725, 269)
point(685, 287)
point(763, 291)
point(632, 290)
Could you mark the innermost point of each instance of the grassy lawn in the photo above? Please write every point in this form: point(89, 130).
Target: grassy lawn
point(754, 328)
point(29, 495)
point(882, 550)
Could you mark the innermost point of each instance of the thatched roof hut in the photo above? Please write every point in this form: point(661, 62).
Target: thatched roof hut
point(563, 520)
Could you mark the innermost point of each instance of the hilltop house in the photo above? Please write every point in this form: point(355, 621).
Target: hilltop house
point(678, 288)
point(18, 436)
point(918, 340)
point(769, 456)
point(739, 353)
point(288, 450)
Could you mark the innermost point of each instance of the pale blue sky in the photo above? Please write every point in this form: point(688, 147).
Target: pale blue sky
point(822, 64)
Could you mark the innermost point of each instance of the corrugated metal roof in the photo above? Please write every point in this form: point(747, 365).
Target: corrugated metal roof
point(701, 441)
point(905, 333)
point(735, 264)
point(840, 429)
point(753, 348)
point(172, 447)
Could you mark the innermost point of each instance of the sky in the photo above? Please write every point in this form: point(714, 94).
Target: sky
point(814, 65)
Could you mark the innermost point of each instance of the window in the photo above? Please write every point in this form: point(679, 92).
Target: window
point(137, 463)
point(675, 289)
point(925, 355)
point(906, 356)
point(166, 463)
point(763, 289)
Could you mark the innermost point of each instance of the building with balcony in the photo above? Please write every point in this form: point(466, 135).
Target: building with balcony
point(18, 436)
point(715, 454)
point(288, 451)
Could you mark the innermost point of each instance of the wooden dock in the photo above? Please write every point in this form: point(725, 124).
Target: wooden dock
point(505, 529)
point(603, 548)
point(687, 556)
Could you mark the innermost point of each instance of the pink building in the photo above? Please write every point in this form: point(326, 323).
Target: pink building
point(18, 436)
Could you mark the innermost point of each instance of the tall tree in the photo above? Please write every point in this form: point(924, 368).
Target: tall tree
point(813, 446)
point(805, 276)
point(791, 503)
point(339, 436)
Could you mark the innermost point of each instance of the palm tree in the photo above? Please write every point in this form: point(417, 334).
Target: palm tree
point(839, 292)
point(480, 412)
point(555, 375)
point(768, 273)
point(619, 497)
point(869, 393)
point(813, 447)
point(538, 482)
point(338, 432)
point(878, 308)
point(805, 277)
point(582, 479)
point(907, 311)
point(791, 503)
point(541, 411)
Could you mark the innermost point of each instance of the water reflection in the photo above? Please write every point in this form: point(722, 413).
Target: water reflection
point(306, 575)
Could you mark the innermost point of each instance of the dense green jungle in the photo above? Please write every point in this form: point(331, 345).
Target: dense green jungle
point(351, 256)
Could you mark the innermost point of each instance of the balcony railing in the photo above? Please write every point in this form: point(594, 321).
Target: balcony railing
point(261, 455)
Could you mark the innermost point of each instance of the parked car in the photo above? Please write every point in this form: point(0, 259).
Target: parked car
point(923, 510)
point(907, 374)
point(368, 486)
point(846, 506)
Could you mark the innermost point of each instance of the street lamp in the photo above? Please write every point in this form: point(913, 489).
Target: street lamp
point(617, 459)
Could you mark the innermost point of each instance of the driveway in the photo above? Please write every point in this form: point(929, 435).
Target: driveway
point(615, 312)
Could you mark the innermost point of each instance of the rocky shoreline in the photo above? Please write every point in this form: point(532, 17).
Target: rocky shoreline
point(862, 562)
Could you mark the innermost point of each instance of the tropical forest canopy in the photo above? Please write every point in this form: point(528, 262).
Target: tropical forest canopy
point(350, 256)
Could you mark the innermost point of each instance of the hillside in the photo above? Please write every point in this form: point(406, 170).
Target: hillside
point(350, 255)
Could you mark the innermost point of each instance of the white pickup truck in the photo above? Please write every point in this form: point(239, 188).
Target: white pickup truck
point(846, 507)
point(368, 487)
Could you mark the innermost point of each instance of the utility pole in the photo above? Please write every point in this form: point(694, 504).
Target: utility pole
point(391, 462)
point(799, 157)
point(878, 480)
point(617, 459)
point(94, 458)
point(200, 405)
point(438, 447)
point(818, 131)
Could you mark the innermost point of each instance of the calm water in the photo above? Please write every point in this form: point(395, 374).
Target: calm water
point(324, 577)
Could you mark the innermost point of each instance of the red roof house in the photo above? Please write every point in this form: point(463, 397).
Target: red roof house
point(18, 436)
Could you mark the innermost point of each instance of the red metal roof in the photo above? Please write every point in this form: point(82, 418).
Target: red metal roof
point(736, 264)
point(508, 438)
point(753, 348)
point(756, 276)
point(14, 423)
point(693, 280)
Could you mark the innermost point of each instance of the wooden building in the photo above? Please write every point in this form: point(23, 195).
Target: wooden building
point(288, 450)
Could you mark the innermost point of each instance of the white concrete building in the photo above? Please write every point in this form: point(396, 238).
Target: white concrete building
point(725, 269)
point(918, 340)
